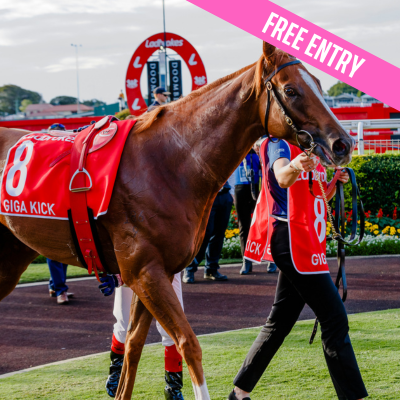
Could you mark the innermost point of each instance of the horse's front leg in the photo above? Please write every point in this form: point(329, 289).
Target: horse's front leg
point(140, 320)
point(154, 289)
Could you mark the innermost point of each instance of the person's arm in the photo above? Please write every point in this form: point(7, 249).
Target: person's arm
point(286, 172)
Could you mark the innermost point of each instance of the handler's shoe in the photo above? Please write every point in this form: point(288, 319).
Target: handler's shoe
point(188, 276)
point(271, 268)
point(232, 396)
point(215, 276)
point(174, 385)
point(115, 373)
point(52, 293)
point(247, 267)
point(62, 298)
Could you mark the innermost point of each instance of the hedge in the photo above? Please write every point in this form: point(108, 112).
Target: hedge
point(378, 177)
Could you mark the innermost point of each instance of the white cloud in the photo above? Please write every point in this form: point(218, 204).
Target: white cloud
point(18, 9)
point(69, 63)
point(5, 39)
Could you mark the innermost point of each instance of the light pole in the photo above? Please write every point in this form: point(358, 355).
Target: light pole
point(165, 48)
point(77, 74)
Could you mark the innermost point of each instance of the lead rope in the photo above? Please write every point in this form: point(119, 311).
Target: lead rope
point(341, 277)
point(335, 235)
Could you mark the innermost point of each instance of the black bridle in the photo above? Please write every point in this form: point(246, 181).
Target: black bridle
point(271, 90)
point(339, 203)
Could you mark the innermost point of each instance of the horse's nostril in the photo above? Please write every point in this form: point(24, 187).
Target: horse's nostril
point(340, 147)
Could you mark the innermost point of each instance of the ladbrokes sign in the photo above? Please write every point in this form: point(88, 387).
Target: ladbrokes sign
point(136, 102)
point(160, 42)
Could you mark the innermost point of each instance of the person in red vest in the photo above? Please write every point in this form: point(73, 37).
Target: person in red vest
point(297, 244)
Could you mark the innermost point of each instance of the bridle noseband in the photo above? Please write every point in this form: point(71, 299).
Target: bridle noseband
point(270, 89)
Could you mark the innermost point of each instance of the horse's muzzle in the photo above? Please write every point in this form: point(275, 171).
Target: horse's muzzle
point(342, 150)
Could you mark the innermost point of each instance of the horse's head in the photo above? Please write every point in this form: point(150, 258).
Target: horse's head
point(295, 92)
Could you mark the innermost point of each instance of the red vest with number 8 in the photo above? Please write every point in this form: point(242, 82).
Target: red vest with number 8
point(306, 221)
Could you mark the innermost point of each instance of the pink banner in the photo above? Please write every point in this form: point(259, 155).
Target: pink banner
point(311, 44)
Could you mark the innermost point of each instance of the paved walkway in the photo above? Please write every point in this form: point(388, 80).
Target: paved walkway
point(35, 330)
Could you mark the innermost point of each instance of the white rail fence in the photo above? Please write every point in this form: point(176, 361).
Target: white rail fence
point(380, 146)
point(377, 146)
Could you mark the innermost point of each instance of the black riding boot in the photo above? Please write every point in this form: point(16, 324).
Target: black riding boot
point(174, 383)
point(115, 373)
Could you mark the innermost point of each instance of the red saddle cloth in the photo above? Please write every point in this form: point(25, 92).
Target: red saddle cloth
point(36, 179)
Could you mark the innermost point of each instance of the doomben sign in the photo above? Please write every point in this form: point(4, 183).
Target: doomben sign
point(311, 44)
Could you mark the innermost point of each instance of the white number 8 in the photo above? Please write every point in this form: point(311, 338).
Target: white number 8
point(19, 165)
point(319, 209)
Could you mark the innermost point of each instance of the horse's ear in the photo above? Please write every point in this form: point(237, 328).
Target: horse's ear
point(268, 50)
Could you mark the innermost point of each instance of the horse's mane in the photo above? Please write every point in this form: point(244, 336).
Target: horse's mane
point(146, 120)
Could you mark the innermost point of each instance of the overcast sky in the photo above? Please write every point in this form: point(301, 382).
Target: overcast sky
point(36, 37)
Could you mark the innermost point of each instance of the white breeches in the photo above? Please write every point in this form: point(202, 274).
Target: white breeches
point(122, 306)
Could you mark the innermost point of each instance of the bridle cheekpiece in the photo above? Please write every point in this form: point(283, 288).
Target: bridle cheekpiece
point(270, 90)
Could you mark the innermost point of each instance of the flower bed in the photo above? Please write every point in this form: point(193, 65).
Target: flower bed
point(231, 248)
point(371, 245)
point(382, 236)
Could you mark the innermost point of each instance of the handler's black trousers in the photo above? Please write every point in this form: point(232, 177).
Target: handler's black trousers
point(293, 291)
point(245, 205)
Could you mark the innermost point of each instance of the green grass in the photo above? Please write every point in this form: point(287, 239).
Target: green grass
point(40, 272)
point(297, 372)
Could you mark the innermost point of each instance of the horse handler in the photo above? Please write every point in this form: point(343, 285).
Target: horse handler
point(295, 237)
point(122, 305)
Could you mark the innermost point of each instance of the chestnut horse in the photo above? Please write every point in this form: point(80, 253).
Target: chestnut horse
point(175, 160)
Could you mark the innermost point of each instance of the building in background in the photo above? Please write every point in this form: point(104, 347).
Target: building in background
point(45, 110)
point(350, 100)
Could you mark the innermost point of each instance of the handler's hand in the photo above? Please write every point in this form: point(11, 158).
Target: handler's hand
point(256, 148)
point(344, 176)
point(304, 163)
point(109, 283)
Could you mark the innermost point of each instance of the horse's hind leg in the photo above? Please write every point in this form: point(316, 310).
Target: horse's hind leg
point(156, 292)
point(140, 320)
point(15, 257)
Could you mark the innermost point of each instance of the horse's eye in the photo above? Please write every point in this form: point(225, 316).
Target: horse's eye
point(290, 92)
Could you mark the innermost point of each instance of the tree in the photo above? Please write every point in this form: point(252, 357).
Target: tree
point(63, 100)
point(341, 87)
point(123, 114)
point(11, 97)
point(94, 103)
point(24, 103)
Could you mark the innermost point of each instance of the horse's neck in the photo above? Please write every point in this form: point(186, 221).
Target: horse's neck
point(223, 127)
